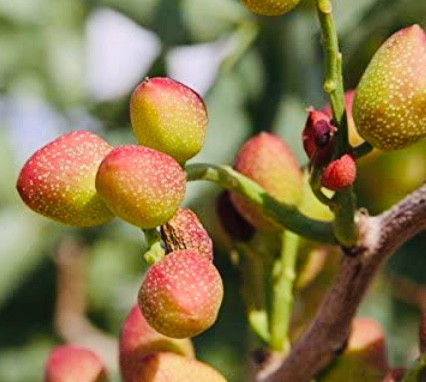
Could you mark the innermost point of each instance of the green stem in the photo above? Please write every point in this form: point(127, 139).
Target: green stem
point(345, 228)
point(361, 150)
point(283, 214)
point(333, 82)
point(284, 274)
point(253, 290)
point(155, 251)
point(315, 182)
point(413, 373)
point(344, 210)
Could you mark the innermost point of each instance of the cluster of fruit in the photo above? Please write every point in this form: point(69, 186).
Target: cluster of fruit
point(81, 180)
point(144, 356)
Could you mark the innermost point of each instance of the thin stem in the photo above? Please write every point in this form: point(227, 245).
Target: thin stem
point(155, 251)
point(315, 183)
point(361, 150)
point(345, 227)
point(284, 274)
point(253, 290)
point(333, 82)
point(283, 214)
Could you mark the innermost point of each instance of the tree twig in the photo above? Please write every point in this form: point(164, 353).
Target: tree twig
point(380, 236)
point(71, 322)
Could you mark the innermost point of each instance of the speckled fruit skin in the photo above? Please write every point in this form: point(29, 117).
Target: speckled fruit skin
point(185, 231)
point(169, 367)
point(140, 185)
point(267, 160)
point(168, 116)
point(270, 7)
point(138, 339)
point(340, 173)
point(70, 363)
point(365, 357)
point(390, 102)
point(181, 294)
point(58, 181)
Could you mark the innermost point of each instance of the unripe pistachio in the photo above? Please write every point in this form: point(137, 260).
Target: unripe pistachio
point(231, 220)
point(168, 116)
point(185, 231)
point(390, 102)
point(140, 185)
point(318, 137)
point(138, 339)
point(365, 357)
point(268, 161)
point(340, 173)
point(270, 7)
point(167, 367)
point(384, 178)
point(70, 363)
point(58, 181)
point(181, 294)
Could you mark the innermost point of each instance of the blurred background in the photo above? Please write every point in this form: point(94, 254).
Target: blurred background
point(72, 64)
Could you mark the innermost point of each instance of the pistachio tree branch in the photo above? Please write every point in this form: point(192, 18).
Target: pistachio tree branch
point(380, 236)
point(71, 321)
point(288, 216)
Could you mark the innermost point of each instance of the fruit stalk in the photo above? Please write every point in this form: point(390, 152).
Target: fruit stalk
point(346, 233)
point(284, 274)
point(333, 82)
point(283, 214)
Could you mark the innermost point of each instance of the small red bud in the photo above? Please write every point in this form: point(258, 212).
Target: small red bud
point(318, 136)
point(74, 364)
point(185, 231)
point(340, 173)
point(181, 294)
